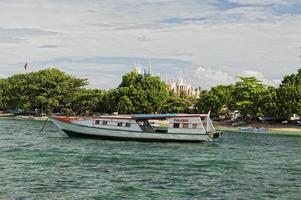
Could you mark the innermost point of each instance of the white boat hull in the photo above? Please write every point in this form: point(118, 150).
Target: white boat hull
point(76, 130)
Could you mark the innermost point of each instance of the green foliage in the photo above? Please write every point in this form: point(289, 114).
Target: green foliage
point(215, 100)
point(270, 106)
point(46, 90)
point(289, 95)
point(85, 101)
point(176, 104)
point(3, 86)
point(138, 94)
point(51, 90)
point(249, 95)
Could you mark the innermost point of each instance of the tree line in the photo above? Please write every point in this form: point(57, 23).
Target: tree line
point(254, 99)
point(51, 90)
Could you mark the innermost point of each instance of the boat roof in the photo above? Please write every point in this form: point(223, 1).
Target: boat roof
point(153, 116)
point(164, 116)
point(150, 116)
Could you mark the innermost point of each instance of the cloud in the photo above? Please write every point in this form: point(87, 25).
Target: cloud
point(49, 46)
point(14, 35)
point(144, 39)
point(254, 2)
point(9, 40)
point(260, 76)
point(265, 2)
point(184, 20)
point(25, 32)
point(210, 77)
point(104, 38)
point(103, 72)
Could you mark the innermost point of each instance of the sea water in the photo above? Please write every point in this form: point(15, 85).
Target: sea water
point(238, 166)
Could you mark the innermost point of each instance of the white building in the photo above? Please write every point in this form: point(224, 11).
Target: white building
point(147, 72)
point(182, 86)
point(178, 87)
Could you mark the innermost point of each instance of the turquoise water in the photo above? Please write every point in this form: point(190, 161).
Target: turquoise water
point(239, 166)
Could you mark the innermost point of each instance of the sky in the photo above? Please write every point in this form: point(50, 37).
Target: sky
point(209, 42)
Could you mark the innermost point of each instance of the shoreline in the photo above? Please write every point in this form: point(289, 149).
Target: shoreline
point(281, 129)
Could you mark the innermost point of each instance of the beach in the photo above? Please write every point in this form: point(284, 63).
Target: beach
point(275, 128)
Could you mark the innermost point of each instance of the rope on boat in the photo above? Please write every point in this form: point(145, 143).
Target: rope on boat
point(43, 126)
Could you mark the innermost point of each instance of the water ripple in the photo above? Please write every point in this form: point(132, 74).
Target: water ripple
point(240, 166)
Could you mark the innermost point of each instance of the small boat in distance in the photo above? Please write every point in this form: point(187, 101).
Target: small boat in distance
point(253, 130)
point(239, 123)
point(42, 117)
point(6, 114)
point(142, 127)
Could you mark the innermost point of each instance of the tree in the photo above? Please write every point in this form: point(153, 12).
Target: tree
point(16, 93)
point(138, 94)
point(3, 86)
point(248, 97)
point(289, 95)
point(215, 99)
point(175, 104)
point(269, 99)
point(49, 89)
point(87, 101)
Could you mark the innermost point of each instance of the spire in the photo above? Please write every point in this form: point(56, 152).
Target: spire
point(300, 53)
point(149, 67)
point(136, 68)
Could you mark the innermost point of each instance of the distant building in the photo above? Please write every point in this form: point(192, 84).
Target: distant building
point(146, 72)
point(137, 69)
point(181, 86)
point(178, 87)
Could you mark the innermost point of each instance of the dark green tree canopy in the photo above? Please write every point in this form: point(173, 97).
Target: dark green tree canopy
point(215, 99)
point(248, 95)
point(289, 95)
point(52, 90)
point(139, 94)
point(46, 89)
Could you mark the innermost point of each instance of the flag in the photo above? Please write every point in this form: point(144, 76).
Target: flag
point(26, 66)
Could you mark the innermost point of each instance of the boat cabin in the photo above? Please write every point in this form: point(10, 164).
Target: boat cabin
point(161, 123)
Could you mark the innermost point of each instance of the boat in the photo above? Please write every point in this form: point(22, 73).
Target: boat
point(26, 117)
point(6, 114)
point(42, 117)
point(239, 123)
point(141, 127)
point(253, 130)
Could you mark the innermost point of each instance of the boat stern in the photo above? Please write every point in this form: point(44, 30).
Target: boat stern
point(215, 135)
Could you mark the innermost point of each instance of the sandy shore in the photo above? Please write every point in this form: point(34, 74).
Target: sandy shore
point(292, 129)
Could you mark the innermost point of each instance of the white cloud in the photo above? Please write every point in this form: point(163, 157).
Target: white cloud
point(265, 2)
point(226, 37)
point(209, 77)
point(260, 76)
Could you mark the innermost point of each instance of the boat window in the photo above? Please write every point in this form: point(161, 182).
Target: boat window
point(176, 125)
point(194, 125)
point(97, 121)
point(128, 124)
point(104, 123)
point(185, 125)
point(119, 124)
